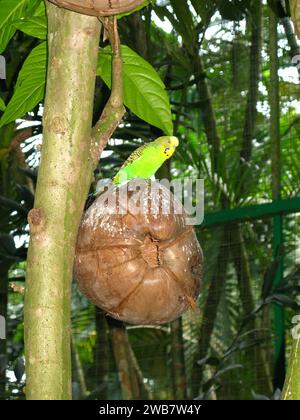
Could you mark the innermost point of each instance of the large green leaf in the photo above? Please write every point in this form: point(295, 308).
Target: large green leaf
point(40, 10)
point(30, 85)
point(35, 26)
point(10, 11)
point(144, 91)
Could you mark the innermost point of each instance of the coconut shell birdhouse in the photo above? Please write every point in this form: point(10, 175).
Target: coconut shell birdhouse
point(99, 7)
point(136, 257)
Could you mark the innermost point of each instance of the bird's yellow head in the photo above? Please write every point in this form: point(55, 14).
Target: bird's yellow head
point(167, 145)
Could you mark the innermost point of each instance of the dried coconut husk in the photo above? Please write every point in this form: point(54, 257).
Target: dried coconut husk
point(140, 268)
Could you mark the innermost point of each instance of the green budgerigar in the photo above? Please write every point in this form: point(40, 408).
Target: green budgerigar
point(147, 159)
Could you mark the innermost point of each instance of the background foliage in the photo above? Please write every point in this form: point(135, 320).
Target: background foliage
point(209, 60)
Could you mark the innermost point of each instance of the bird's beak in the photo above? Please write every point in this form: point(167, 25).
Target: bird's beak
point(175, 141)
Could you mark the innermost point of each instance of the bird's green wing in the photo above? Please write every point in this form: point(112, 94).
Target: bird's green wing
point(135, 155)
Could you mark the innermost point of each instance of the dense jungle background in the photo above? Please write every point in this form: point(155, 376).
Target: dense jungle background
point(219, 61)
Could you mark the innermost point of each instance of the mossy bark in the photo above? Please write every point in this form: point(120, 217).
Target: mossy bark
point(63, 181)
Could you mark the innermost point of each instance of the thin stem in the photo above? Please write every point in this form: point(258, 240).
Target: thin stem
point(114, 109)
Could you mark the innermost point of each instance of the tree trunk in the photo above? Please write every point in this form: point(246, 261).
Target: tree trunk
point(256, 357)
point(259, 367)
point(251, 112)
point(130, 375)
point(143, 390)
point(78, 373)
point(178, 362)
point(63, 182)
point(292, 41)
point(240, 261)
point(208, 113)
point(101, 355)
point(120, 345)
point(219, 278)
point(210, 310)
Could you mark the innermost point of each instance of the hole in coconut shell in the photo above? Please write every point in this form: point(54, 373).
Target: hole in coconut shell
point(150, 252)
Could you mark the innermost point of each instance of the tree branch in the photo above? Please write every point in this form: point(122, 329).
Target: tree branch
point(114, 109)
